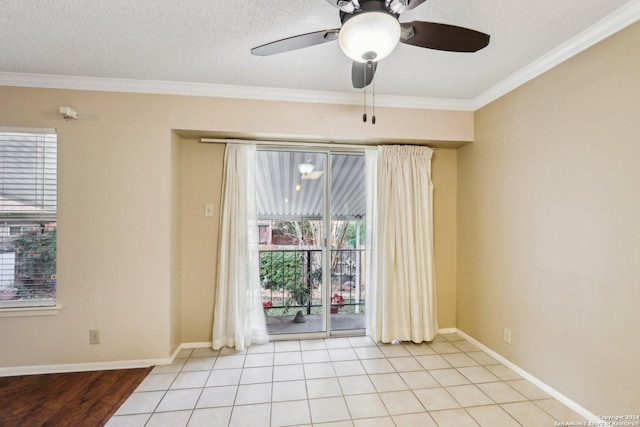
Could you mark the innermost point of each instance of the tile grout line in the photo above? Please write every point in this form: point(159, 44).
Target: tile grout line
point(387, 357)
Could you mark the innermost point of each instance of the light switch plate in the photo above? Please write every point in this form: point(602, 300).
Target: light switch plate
point(507, 335)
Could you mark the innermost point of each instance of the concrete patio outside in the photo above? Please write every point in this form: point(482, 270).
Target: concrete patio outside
point(314, 323)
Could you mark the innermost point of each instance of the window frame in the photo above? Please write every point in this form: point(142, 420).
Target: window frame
point(30, 210)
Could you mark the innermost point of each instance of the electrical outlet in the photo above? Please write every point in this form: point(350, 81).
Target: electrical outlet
point(507, 335)
point(208, 210)
point(94, 336)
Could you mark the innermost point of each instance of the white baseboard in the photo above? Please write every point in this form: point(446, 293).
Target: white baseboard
point(90, 366)
point(80, 367)
point(447, 331)
point(527, 376)
point(195, 345)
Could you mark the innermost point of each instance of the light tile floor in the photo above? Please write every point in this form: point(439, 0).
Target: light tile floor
point(340, 382)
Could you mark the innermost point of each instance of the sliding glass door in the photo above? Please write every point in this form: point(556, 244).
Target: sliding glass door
point(347, 258)
point(310, 212)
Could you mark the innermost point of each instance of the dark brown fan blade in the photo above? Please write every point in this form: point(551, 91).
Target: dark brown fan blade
point(296, 42)
point(443, 37)
point(412, 5)
point(362, 73)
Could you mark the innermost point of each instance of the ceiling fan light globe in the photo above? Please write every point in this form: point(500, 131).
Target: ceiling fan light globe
point(369, 32)
point(305, 168)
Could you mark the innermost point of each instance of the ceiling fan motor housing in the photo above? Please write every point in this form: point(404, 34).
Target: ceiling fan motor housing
point(347, 6)
point(366, 6)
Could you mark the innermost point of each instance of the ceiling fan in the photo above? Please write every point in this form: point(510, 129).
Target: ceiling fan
point(307, 171)
point(371, 30)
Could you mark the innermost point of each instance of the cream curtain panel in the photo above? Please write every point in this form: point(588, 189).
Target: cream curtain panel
point(402, 302)
point(238, 317)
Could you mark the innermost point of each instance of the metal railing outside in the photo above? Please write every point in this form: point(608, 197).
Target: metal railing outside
point(291, 280)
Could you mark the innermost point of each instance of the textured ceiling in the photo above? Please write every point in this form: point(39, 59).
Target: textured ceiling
point(208, 41)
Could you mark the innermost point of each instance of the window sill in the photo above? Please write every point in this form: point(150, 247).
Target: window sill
point(51, 310)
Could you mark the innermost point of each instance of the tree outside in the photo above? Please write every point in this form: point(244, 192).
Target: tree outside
point(36, 262)
point(292, 264)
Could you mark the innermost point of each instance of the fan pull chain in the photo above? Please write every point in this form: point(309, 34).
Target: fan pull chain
point(364, 104)
point(373, 116)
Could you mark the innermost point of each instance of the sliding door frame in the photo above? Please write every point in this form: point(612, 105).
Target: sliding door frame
point(327, 150)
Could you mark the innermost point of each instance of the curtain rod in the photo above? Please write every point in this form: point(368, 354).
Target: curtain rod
point(299, 144)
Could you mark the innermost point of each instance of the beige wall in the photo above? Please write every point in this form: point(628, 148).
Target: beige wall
point(268, 119)
point(113, 220)
point(444, 177)
point(549, 231)
point(175, 292)
point(131, 259)
point(201, 184)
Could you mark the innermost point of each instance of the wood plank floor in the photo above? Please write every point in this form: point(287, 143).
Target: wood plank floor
point(70, 399)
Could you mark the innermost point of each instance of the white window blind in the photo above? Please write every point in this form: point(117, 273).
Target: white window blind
point(28, 203)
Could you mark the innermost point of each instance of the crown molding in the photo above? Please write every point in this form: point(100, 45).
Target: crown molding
point(223, 91)
point(611, 24)
point(616, 21)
